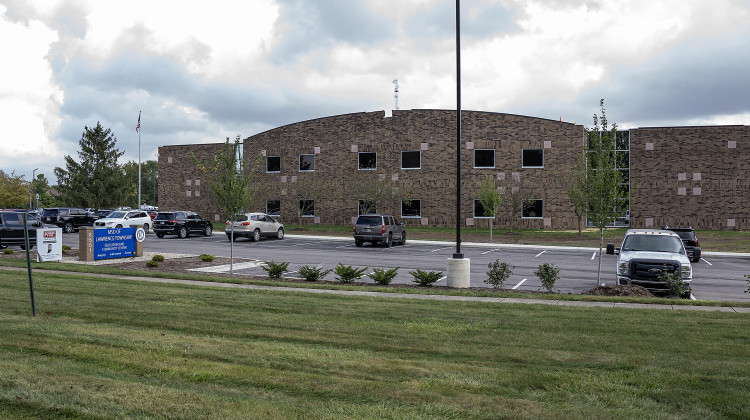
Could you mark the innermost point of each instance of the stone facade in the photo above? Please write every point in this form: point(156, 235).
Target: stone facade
point(691, 175)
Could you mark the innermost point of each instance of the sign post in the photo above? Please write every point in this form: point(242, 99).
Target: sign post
point(28, 261)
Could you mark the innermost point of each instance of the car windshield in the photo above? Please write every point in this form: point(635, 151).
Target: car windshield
point(240, 217)
point(369, 220)
point(164, 216)
point(50, 212)
point(684, 234)
point(652, 243)
point(117, 214)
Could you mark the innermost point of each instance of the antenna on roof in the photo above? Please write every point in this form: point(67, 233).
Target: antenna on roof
point(395, 91)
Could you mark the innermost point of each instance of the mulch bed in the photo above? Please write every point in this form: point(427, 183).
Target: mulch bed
point(633, 290)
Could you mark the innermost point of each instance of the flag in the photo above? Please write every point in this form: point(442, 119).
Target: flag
point(138, 127)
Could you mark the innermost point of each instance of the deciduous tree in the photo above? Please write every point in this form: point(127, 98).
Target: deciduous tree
point(490, 196)
point(14, 191)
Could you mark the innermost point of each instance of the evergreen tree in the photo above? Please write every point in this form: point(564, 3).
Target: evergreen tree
point(97, 180)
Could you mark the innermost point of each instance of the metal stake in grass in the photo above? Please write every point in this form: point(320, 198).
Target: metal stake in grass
point(28, 262)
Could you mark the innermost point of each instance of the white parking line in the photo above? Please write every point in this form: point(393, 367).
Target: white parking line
point(706, 261)
point(692, 297)
point(441, 278)
point(593, 255)
point(519, 283)
point(487, 252)
point(540, 253)
point(440, 249)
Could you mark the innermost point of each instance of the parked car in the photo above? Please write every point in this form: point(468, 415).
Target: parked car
point(181, 223)
point(687, 234)
point(152, 214)
point(121, 219)
point(254, 226)
point(646, 254)
point(377, 228)
point(11, 229)
point(68, 218)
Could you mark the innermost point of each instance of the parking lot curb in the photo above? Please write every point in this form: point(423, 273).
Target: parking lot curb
point(485, 299)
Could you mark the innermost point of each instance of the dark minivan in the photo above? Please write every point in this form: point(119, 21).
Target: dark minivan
point(377, 228)
point(181, 223)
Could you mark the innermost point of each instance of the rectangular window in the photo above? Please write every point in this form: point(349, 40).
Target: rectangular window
point(411, 208)
point(411, 159)
point(307, 208)
point(484, 158)
point(368, 160)
point(273, 207)
point(366, 207)
point(306, 163)
point(273, 164)
point(533, 158)
point(533, 209)
point(479, 210)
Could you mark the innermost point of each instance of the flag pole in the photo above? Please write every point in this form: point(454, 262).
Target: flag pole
point(138, 129)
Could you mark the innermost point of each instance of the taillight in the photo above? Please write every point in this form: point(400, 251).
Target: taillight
point(354, 228)
point(383, 231)
point(227, 223)
point(173, 221)
point(696, 242)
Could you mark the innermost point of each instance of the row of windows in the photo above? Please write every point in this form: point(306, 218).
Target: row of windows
point(412, 159)
point(532, 209)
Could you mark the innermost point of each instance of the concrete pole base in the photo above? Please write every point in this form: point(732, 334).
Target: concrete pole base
point(459, 273)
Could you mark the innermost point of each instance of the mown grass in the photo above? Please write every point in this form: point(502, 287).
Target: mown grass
point(394, 288)
point(105, 348)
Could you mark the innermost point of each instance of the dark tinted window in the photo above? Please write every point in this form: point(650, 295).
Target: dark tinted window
point(13, 219)
point(367, 207)
point(533, 208)
point(533, 158)
point(273, 207)
point(240, 218)
point(50, 212)
point(307, 207)
point(411, 160)
point(273, 164)
point(164, 216)
point(484, 158)
point(411, 208)
point(369, 220)
point(368, 160)
point(306, 162)
point(479, 209)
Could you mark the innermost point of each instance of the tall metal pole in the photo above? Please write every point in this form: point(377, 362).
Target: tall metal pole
point(458, 253)
point(31, 188)
point(138, 129)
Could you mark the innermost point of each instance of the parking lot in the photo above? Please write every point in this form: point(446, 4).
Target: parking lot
point(716, 277)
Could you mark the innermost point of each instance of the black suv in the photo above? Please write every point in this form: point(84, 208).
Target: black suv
point(687, 234)
point(376, 228)
point(69, 219)
point(181, 223)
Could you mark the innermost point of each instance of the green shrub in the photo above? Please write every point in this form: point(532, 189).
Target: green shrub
point(313, 273)
point(274, 269)
point(8, 251)
point(347, 273)
point(426, 278)
point(207, 258)
point(548, 274)
point(498, 273)
point(157, 258)
point(66, 247)
point(152, 264)
point(381, 276)
point(675, 286)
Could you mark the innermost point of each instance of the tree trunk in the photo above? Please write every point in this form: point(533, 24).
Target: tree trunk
point(231, 250)
point(601, 242)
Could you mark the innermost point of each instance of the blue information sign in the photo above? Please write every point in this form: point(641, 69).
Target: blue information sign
point(114, 243)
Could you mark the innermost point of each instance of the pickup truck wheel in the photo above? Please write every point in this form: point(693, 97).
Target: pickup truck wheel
point(256, 235)
point(182, 233)
point(280, 233)
point(68, 227)
point(403, 238)
point(208, 230)
point(23, 247)
point(389, 241)
point(358, 243)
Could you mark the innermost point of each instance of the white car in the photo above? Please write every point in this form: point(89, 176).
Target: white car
point(121, 219)
point(253, 226)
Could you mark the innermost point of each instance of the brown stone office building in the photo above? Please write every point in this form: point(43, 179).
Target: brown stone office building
point(676, 175)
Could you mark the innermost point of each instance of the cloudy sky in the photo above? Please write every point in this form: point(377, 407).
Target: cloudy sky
point(203, 71)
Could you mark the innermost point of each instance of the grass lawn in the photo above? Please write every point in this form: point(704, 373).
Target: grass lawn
point(103, 348)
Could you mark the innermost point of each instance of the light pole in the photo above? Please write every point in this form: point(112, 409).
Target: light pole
point(31, 188)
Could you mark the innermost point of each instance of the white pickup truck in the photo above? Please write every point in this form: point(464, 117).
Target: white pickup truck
point(647, 253)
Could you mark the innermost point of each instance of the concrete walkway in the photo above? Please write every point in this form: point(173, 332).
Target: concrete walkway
point(586, 304)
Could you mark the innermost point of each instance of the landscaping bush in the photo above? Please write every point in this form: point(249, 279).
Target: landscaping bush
point(8, 251)
point(207, 258)
point(548, 274)
point(498, 273)
point(65, 249)
point(347, 273)
point(152, 264)
point(426, 278)
point(383, 277)
point(313, 273)
point(675, 286)
point(157, 258)
point(274, 269)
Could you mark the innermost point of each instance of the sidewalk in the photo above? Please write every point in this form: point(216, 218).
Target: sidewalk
point(408, 295)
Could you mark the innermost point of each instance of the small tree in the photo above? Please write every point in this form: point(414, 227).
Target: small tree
point(490, 197)
point(14, 191)
point(548, 274)
point(376, 191)
point(575, 186)
point(307, 193)
point(603, 195)
point(230, 181)
point(515, 195)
